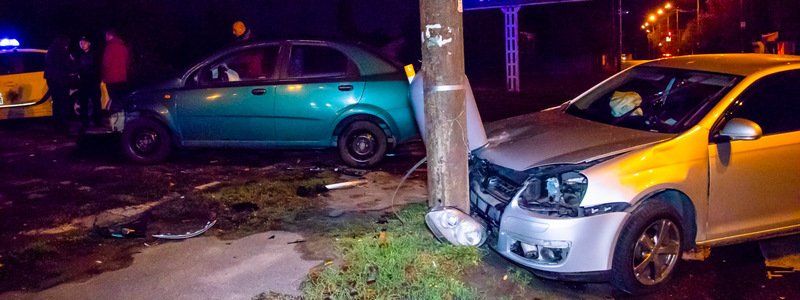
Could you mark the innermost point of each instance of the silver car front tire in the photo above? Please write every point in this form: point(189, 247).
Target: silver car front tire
point(648, 249)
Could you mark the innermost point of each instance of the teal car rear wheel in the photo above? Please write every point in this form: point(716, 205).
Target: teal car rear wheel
point(362, 144)
point(146, 141)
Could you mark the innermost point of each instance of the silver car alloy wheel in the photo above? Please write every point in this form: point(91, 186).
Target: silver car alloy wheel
point(656, 252)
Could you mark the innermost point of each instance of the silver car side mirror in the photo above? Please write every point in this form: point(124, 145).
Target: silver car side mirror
point(739, 129)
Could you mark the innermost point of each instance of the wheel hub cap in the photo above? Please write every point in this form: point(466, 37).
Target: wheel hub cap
point(145, 141)
point(656, 252)
point(363, 144)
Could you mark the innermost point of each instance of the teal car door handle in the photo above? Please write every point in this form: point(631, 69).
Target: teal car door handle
point(259, 92)
point(345, 87)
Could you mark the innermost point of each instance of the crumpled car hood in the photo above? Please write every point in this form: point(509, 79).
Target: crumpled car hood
point(554, 137)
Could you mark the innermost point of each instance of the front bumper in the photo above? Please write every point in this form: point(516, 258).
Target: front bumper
point(590, 240)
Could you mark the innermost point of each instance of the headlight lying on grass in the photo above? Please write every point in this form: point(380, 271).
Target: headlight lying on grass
point(455, 226)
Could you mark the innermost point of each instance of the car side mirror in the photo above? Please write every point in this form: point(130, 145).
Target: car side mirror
point(739, 129)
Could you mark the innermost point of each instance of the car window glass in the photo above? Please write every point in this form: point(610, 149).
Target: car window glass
point(256, 64)
point(318, 62)
point(773, 103)
point(653, 99)
point(16, 63)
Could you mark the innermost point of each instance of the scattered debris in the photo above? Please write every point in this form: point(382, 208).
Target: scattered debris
point(308, 191)
point(296, 242)
point(372, 276)
point(383, 240)
point(335, 213)
point(169, 236)
point(245, 207)
point(781, 255)
point(65, 182)
point(104, 168)
point(35, 196)
point(135, 229)
point(98, 262)
point(699, 253)
point(348, 184)
point(105, 219)
point(351, 171)
point(271, 237)
point(206, 186)
point(85, 189)
point(27, 182)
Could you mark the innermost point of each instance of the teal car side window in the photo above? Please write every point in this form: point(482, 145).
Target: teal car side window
point(319, 62)
point(249, 65)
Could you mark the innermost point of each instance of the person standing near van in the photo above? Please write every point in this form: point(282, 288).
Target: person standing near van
point(116, 60)
point(89, 84)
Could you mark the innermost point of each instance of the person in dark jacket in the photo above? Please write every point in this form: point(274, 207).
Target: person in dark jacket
point(116, 61)
point(59, 72)
point(89, 84)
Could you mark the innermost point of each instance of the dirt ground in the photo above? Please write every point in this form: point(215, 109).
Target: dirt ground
point(58, 196)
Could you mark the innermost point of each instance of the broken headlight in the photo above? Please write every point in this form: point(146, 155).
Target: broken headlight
point(554, 194)
point(456, 227)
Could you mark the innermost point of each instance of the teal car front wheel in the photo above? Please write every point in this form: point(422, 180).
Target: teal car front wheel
point(362, 144)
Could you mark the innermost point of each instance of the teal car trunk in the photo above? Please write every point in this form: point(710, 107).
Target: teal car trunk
point(288, 94)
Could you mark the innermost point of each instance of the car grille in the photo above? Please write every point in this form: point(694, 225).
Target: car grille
point(490, 190)
point(490, 179)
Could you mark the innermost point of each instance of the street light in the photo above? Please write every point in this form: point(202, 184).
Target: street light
point(668, 5)
point(652, 18)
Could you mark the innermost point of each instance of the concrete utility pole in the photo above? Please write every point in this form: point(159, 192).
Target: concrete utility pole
point(445, 109)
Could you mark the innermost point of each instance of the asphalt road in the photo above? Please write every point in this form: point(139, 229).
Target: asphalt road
point(201, 268)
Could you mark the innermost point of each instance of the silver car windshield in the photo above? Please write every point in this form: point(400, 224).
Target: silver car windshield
point(654, 99)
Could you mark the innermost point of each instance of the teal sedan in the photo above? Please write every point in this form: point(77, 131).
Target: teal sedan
point(290, 94)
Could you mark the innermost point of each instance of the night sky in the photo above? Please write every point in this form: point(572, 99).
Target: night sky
point(168, 35)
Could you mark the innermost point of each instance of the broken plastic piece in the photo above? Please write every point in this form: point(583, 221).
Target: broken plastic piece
point(206, 186)
point(699, 253)
point(372, 274)
point(351, 171)
point(348, 184)
point(169, 236)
